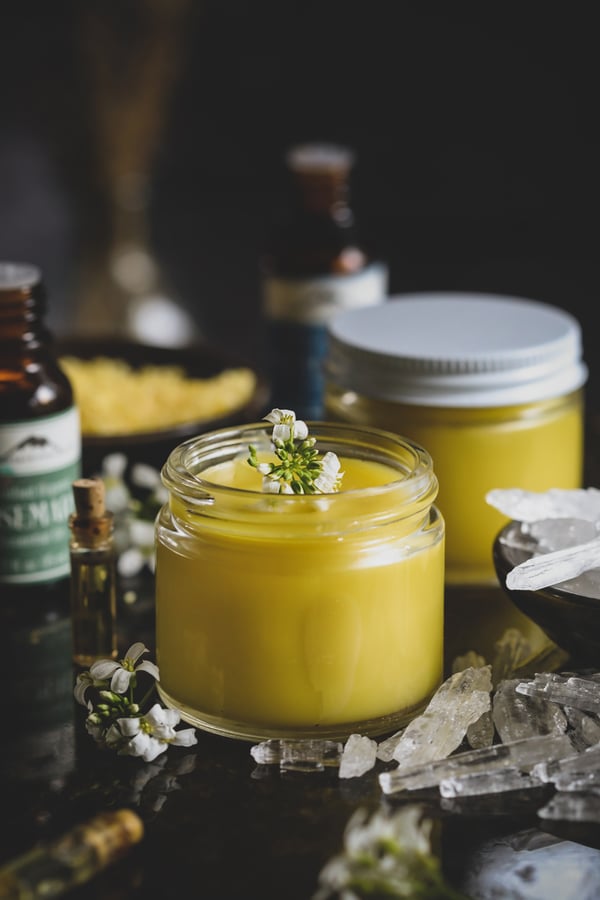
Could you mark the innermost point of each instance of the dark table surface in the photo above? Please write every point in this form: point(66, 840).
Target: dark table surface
point(216, 823)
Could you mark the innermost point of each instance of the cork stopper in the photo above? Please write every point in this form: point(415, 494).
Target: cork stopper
point(91, 523)
point(110, 834)
point(89, 497)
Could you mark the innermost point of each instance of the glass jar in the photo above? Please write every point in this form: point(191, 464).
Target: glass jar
point(299, 615)
point(491, 385)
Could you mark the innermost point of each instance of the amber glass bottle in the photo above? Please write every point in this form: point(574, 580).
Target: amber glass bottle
point(314, 266)
point(40, 445)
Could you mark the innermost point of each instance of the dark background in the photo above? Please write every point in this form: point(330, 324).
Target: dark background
point(475, 128)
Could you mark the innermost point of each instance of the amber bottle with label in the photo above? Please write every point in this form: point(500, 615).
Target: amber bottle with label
point(40, 442)
point(315, 266)
point(40, 451)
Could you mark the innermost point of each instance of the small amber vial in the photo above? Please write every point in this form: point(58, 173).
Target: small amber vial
point(93, 575)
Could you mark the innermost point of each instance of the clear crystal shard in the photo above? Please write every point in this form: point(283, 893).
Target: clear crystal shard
point(555, 534)
point(580, 693)
point(506, 779)
point(590, 781)
point(460, 701)
point(297, 755)
point(518, 716)
point(358, 756)
point(555, 567)
point(585, 727)
point(386, 748)
point(523, 754)
point(481, 733)
point(574, 764)
point(557, 503)
point(266, 753)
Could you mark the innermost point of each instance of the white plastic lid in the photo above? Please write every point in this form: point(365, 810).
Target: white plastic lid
point(18, 276)
point(456, 349)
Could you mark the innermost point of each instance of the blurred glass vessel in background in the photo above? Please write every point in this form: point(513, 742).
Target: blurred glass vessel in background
point(315, 265)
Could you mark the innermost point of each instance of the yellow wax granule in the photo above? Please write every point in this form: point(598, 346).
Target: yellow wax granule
point(114, 398)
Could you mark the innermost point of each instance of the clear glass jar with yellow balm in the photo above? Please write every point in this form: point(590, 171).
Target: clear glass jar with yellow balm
point(491, 385)
point(300, 616)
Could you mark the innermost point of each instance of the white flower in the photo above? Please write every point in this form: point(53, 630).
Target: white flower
point(407, 828)
point(84, 681)
point(94, 729)
point(122, 671)
point(286, 425)
point(130, 562)
point(386, 855)
point(113, 474)
point(274, 486)
point(297, 468)
point(150, 735)
point(145, 476)
point(329, 479)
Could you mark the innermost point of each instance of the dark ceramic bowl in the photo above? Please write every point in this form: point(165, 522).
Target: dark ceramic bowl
point(569, 619)
point(198, 361)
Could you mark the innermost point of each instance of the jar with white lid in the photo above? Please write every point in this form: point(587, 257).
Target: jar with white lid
point(492, 386)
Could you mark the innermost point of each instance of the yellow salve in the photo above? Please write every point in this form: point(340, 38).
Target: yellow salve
point(534, 446)
point(318, 624)
point(537, 446)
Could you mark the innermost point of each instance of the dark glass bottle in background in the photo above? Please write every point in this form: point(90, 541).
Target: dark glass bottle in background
point(40, 442)
point(40, 456)
point(314, 266)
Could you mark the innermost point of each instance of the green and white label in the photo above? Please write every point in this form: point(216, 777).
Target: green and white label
point(39, 460)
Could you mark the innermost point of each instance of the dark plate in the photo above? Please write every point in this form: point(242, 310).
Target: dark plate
point(571, 620)
point(198, 360)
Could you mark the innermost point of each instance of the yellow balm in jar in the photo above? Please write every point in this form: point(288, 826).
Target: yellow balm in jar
point(282, 615)
point(491, 385)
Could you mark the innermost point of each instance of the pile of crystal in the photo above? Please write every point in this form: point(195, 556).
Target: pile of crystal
point(485, 732)
point(561, 530)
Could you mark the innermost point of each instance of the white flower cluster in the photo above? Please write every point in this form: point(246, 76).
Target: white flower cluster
point(134, 519)
point(299, 469)
point(387, 855)
point(117, 721)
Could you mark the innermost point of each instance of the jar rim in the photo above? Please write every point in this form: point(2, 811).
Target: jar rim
point(416, 482)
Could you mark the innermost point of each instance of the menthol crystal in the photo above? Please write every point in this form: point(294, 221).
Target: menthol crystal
point(580, 693)
point(359, 755)
point(523, 754)
point(517, 715)
point(505, 779)
point(556, 503)
point(461, 700)
point(297, 755)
